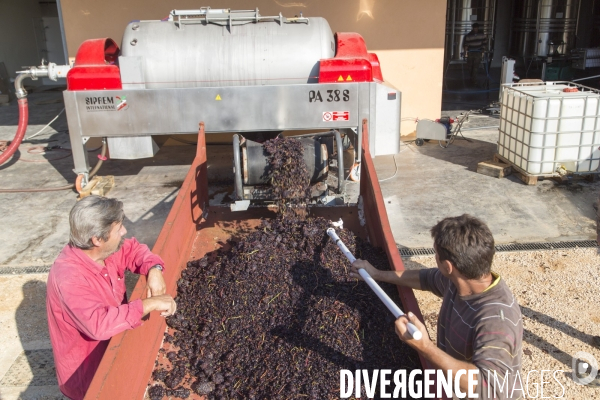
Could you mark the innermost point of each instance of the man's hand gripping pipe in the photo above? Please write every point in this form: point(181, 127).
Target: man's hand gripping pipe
point(414, 332)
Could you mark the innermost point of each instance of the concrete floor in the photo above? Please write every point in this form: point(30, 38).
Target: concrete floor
point(433, 183)
point(430, 184)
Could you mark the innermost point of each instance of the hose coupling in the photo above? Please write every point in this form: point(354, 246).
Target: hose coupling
point(51, 71)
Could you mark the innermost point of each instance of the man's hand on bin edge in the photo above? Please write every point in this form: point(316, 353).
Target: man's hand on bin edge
point(163, 303)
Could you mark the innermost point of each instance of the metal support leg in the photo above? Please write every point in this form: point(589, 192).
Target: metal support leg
point(80, 158)
point(237, 166)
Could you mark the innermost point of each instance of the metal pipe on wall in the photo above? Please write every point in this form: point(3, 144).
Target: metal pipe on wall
point(453, 10)
point(62, 31)
point(595, 35)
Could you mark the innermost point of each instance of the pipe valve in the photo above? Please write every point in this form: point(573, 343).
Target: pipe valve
point(57, 71)
point(51, 71)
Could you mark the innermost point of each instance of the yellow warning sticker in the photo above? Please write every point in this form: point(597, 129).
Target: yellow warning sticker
point(349, 78)
point(218, 97)
point(341, 79)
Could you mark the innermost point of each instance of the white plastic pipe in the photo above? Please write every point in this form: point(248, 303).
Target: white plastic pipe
point(412, 329)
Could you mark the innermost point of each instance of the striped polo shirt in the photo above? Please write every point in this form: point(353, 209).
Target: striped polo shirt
point(484, 329)
point(475, 41)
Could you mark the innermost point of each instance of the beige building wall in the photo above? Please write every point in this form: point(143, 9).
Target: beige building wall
point(407, 35)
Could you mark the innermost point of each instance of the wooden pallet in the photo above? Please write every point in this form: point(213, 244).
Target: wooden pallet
point(496, 169)
point(530, 179)
point(525, 177)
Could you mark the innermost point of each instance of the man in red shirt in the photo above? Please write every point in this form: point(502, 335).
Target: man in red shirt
point(86, 300)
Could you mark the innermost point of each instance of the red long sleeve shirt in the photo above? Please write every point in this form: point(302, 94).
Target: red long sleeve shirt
point(86, 305)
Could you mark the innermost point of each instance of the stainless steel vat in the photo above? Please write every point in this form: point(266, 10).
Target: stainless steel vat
point(543, 27)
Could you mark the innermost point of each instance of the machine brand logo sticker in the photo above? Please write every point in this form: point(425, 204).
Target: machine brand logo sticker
point(106, 103)
point(336, 116)
point(122, 103)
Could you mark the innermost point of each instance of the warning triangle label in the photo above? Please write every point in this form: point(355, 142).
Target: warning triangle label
point(349, 78)
point(341, 79)
point(218, 97)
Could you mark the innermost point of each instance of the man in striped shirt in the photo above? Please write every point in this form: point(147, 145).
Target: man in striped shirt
point(474, 46)
point(479, 324)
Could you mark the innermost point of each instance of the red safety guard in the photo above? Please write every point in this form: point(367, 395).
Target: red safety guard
point(352, 62)
point(94, 67)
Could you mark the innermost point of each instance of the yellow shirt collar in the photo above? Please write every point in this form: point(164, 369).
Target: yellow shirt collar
point(496, 279)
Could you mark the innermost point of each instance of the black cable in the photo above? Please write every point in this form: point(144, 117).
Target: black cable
point(66, 187)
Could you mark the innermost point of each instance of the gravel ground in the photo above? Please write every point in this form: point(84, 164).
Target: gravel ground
point(559, 292)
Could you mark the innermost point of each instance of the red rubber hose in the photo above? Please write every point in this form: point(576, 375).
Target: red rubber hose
point(16, 142)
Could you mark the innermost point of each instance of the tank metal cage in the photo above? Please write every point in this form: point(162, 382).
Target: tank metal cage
point(536, 143)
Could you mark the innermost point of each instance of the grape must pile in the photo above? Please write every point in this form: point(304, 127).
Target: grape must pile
point(276, 316)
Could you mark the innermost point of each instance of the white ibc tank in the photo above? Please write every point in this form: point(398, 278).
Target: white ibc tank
point(544, 128)
point(245, 50)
